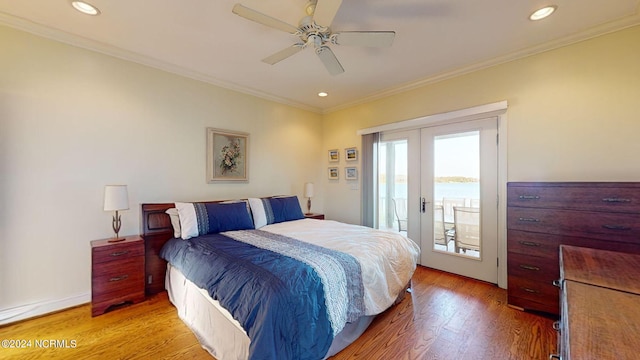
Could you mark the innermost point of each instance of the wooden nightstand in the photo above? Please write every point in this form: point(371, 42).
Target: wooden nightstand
point(117, 273)
point(314, 216)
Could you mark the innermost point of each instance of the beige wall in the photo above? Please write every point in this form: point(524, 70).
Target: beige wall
point(73, 120)
point(574, 115)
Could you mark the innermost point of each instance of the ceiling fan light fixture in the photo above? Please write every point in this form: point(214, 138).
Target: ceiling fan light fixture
point(310, 8)
point(85, 8)
point(323, 94)
point(314, 31)
point(543, 12)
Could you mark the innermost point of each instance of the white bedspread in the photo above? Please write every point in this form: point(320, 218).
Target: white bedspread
point(388, 259)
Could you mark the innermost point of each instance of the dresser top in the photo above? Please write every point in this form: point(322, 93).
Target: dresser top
point(105, 242)
point(608, 269)
point(602, 323)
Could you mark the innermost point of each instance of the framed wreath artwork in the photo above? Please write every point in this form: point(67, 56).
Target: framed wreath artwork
point(227, 155)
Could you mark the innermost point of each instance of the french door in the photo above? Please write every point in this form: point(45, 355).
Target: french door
point(439, 184)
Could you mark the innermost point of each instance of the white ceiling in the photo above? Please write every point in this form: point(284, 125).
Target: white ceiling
point(434, 39)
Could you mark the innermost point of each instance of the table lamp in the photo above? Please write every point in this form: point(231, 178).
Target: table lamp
point(115, 199)
point(308, 193)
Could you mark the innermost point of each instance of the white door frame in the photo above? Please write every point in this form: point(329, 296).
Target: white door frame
point(483, 267)
point(498, 109)
point(413, 177)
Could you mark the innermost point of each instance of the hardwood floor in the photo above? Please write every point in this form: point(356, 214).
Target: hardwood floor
point(445, 317)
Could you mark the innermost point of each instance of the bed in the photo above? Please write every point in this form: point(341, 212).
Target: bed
point(254, 279)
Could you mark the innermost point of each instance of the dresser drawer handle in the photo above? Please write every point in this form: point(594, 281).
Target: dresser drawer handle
point(529, 219)
point(118, 278)
point(616, 227)
point(529, 267)
point(528, 197)
point(531, 291)
point(616, 200)
point(120, 253)
point(529, 243)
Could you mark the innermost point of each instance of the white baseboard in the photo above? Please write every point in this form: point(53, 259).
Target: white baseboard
point(40, 308)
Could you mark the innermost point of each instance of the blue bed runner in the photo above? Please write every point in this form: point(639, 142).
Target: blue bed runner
point(291, 297)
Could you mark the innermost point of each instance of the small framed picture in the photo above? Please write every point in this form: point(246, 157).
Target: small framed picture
point(351, 173)
point(334, 155)
point(334, 174)
point(351, 154)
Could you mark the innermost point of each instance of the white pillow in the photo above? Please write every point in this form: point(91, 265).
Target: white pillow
point(257, 210)
point(188, 220)
point(175, 221)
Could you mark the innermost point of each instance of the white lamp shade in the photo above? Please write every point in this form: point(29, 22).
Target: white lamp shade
point(116, 198)
point(308, 190)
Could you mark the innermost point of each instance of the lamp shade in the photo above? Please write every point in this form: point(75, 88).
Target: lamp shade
point(308, 190)
point(116, 198)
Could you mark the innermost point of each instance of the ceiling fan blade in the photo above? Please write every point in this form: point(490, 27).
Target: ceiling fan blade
point(325, 11)
point(263, 19)
point(329, 60)
point(283, 54)
point(364, 38)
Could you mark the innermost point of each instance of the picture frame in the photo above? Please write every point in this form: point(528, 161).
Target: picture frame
point(227, 155)
point(351, 173)
point(334, 173)
point(351, 154)
point(334, 155)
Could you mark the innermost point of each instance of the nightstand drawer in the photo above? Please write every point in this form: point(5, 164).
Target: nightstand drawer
point(110, 286)
point(117, 252)
point(117, 268)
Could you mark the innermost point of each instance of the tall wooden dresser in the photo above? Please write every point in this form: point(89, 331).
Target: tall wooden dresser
point(543, 215)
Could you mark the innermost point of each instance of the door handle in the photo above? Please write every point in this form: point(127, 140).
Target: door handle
point(423, 205)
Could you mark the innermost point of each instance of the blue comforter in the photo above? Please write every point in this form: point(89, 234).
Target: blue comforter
point(279, 300)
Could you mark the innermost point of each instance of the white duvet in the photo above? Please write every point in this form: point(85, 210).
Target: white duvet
point(388, 259)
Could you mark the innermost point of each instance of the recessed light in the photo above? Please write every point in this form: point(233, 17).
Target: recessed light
point(323, 94)
point(543, 13)
point(85, 8)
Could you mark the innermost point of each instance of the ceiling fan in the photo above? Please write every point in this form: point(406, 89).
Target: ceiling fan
point(313, 31)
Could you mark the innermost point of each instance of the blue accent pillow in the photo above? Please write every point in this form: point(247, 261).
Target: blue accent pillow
point(275, 210)
point(206, 218)
point(286, 209)
point(219, 217)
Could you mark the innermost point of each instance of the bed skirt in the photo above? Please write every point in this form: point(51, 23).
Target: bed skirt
point(217, 331)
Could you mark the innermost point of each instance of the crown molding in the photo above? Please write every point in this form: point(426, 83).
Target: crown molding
point(81, 42)
point(597, 31)
point(110, 50)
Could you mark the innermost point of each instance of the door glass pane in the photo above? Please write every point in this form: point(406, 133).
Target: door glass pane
point(392, 185)
point(456, 191)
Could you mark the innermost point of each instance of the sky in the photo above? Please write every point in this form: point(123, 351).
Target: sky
point(454, 155)
point(457, 156)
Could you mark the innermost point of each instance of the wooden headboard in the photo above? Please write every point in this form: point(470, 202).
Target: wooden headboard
point(155, 229)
